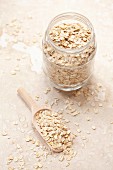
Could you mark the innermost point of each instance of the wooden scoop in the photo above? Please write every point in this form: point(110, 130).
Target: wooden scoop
point(35, 109)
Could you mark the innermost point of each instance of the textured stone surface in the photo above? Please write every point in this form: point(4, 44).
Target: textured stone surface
point(96, 152)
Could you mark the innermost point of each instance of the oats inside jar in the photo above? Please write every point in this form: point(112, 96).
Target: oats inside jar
point(73, 35)
point(69, 49)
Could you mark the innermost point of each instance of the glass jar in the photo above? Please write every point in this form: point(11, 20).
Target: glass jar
point(74, 66)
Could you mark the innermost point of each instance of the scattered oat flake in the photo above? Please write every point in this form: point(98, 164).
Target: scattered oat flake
point(67, 121)
point(18, 59)
point(100, 104)
point(20, 157)
point(52, 104)
point(46, 102)
point(29, 16)
point(99, 84)
point(88, 132)
point(15, 159)
point(28, 139)
point(67, 164)
point(33, 141)
point(68, 158)
point(95, 110)
point(37, 155)
point(15, 123)
point(4, 133)
point(8, 137)
point(18, 146)
point(39, 165)
point(83, 145)
point(17, 69)
point(77, 124)
point(88, 118)
point(13, 73)
point(47, 90)
point(61, 158)
point(78, 130)
point(75, 153)
point(37, 143)
point(10, 157)
point(75, 113)
point(93, 127)
point(83, 138)
point(36, 98)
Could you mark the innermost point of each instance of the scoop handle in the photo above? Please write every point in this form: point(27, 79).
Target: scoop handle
point(27, 99)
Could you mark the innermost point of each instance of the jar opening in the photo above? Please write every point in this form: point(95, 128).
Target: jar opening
point(69, 17)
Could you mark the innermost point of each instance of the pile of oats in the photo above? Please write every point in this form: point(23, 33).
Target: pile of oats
point(67, 68)
point(73, 35)
point(54, 131)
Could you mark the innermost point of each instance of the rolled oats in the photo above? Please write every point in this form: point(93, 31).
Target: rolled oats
point(4, 133)
point(93, 127)
point(61, 158)
point(65, 63)
point(54, 131)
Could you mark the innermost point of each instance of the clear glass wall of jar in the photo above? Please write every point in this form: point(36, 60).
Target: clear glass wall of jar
point(73, 67)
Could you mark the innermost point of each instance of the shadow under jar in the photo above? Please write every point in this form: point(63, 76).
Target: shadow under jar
point(69, 48)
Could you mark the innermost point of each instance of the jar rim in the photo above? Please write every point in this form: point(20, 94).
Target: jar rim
point(70, 15)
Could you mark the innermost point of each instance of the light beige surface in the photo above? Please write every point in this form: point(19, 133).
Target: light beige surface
point(96, 152)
